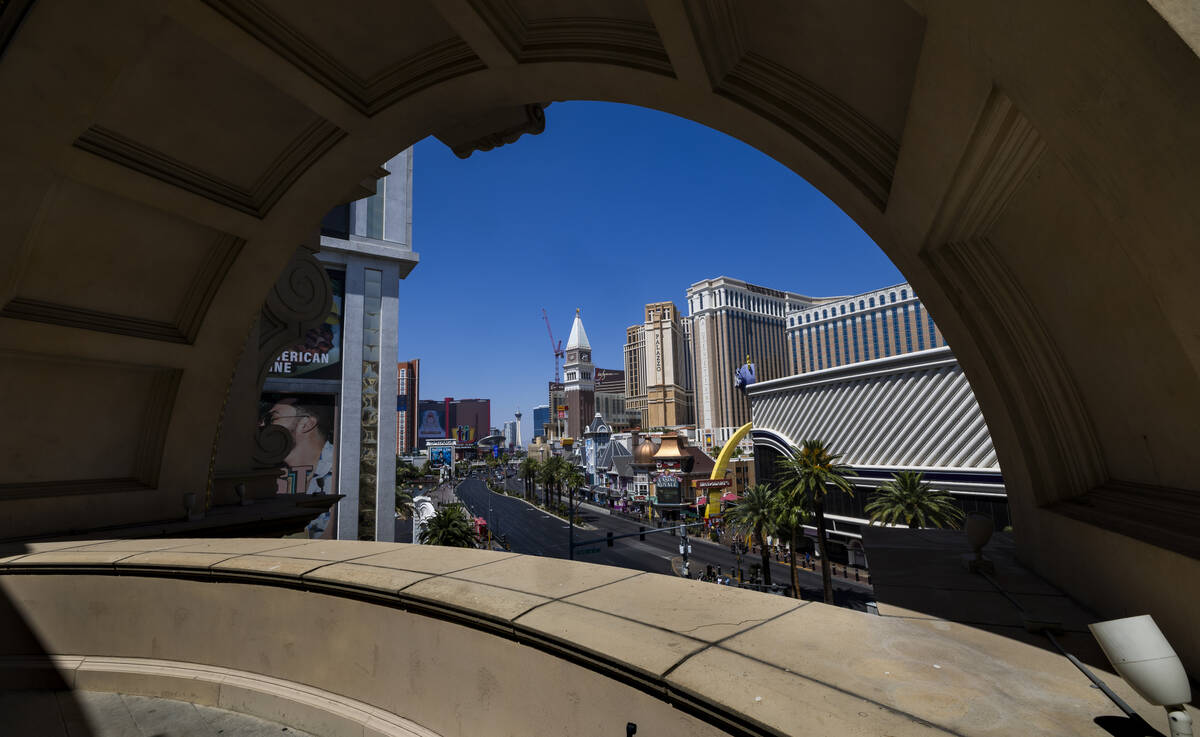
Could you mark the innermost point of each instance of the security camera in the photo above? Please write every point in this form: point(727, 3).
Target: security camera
point(1143, 657)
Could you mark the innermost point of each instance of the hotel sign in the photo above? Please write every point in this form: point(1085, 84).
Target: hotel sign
point(764, 290)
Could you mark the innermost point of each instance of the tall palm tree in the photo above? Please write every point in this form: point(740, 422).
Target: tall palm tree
point(791, 513)
point(806, 477)
point(528, 472)
point(548, 475)
point(573, 479)
point(754, 515)
point(908, 499)
point(449, 526)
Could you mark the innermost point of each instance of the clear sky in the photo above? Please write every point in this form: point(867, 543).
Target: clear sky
point(611, 207)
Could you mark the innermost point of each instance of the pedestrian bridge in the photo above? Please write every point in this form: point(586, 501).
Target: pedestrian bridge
point(361, 638)
point(1029, 166)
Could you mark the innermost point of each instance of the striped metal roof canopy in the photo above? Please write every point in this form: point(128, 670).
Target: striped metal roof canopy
point(913, 411)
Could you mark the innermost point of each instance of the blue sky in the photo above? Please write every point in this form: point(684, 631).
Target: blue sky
point(613, 206)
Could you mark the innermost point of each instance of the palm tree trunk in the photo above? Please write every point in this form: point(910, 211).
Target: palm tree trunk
point(766, 558)
point(826, 571)
point(792, 561)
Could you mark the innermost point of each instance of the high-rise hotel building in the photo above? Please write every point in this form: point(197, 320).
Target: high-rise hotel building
point(730, 320)
point(408, 392)
point(635, 371)
point(843, 330)
point(658, 367)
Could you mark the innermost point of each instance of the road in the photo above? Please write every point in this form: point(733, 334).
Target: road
point(533, 532)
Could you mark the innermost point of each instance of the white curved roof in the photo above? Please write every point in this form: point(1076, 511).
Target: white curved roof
point(578, 337)
point(914, 411)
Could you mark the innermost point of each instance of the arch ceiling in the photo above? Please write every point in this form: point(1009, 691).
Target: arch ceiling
point(1030, 167)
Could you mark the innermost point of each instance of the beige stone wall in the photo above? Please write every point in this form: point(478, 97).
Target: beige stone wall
point(469, 642)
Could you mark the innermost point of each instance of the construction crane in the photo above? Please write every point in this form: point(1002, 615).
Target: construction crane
point(556, 347)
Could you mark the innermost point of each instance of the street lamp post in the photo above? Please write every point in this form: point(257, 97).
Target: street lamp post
point(684, 548)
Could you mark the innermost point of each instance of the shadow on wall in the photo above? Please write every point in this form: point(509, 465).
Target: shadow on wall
point(36, 693)
point(923, 573)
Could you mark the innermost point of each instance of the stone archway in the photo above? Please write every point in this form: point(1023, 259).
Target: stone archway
point(1030, 170)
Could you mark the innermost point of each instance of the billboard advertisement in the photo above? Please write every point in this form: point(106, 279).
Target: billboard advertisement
point(311, 465)
point(609, 380)
point(431, 421)
point(464, 433)
point(319, 355)
point(441, 452)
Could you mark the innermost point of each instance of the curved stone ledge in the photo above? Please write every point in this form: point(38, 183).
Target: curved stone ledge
point(475, 642)
point(286, 702)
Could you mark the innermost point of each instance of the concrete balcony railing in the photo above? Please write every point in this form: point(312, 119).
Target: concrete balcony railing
point(376, 638)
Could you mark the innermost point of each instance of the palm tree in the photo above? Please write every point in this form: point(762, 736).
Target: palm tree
point(908, 499)
point(573, 479)
point(811, 472)
point(547, 477)
point(404, 503)
point(449, 526)
point(791, 512)
point(754, 514)
point(555, 470)
point(528, 472)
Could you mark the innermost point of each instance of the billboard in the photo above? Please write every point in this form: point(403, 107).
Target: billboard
point(464, 433)
point(311, 465)
point(441, 452)
point(562, 411)
point(319, 355)
point(431, 421)
point(609, 380)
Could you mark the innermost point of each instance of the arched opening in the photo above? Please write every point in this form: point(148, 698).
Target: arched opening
point(1041, 208)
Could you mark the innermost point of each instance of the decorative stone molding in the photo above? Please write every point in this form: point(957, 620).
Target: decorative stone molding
point(609, 40)
point(272, 443)
point(493, 129)
point(717, 29)
point(300, 301)
point(437, 63)
point(183, 329)
point(1002, 151)
point(312, 143)
point(856, 147)
point(1055, 430)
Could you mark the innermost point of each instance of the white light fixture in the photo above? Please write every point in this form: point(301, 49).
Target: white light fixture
point(1142, 656)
